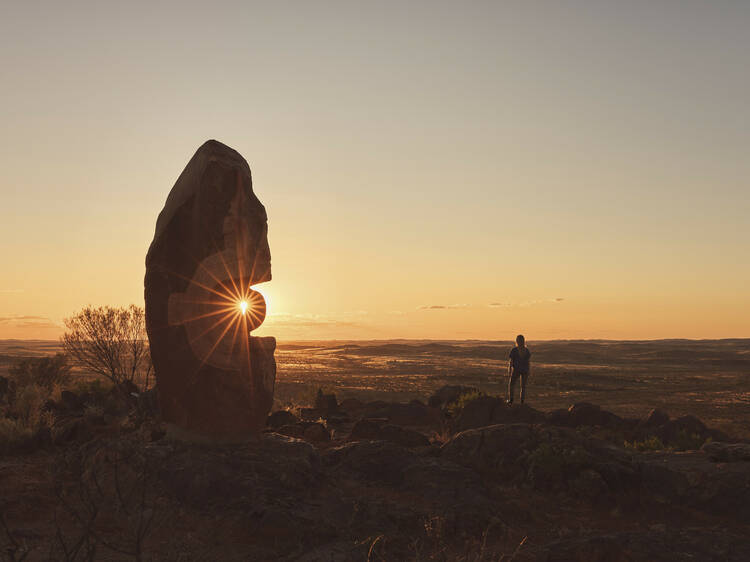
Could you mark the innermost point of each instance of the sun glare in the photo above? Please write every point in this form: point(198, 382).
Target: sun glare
point(243, 306)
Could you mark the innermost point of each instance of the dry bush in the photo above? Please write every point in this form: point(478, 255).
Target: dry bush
point(28, 404)
point(33, 383)
point(110, 342)
point(13, 434)
point(46, 372)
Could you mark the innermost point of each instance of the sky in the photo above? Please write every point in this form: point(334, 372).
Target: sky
point(444, 170)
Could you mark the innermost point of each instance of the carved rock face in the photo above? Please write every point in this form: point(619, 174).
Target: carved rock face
point(210, 247)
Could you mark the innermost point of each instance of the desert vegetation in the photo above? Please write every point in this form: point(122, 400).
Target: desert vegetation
point(346, 471)
point(111, 343)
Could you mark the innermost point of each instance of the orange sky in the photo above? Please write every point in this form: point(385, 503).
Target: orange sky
point(430, 170)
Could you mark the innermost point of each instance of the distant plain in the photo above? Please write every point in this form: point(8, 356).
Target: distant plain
point(709, 379)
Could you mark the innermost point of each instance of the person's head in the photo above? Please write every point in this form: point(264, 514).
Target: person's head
point(520, 340)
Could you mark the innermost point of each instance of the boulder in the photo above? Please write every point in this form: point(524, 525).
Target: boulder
point(478, 413)
point(589, 484)
point(292, 430)
point(546, 458)
point(369, 429)
point(365, 429)
point(656, 418)
point(376, 461)
point(281, 418)
point(210, 246)
point(584, 414)
point(352, 407)
point(688, 432)
point(491, 410)
point(415, 413)
point(316, 432)
point(492, 449)
point(727, 452)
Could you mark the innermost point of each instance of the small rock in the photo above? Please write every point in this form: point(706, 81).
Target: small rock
point(316, 433)
point(365, 429)
point(656, 418)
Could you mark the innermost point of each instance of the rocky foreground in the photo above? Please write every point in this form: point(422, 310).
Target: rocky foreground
point(464, 477)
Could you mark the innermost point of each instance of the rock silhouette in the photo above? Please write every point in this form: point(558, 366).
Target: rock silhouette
point(209, 249)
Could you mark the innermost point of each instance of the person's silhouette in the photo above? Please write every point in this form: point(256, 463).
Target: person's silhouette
point(519, 365)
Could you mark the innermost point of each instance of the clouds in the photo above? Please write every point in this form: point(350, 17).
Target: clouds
point(495, 304)
point(26, 321)
point(442, 306)
point(18, 321)
point(556, 300)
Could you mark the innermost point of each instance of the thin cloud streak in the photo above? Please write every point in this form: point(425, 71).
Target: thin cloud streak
point(442, 306)
point(556, 300)
point(27, 321)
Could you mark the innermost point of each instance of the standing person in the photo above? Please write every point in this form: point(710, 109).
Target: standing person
point(519, 366)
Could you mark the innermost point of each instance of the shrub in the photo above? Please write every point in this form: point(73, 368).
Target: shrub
point(653, 443)
point(46, 372)
point(28, 404)
point(689, 441)
point(456, 407)
point(96, 388)
point(13, 433)
point(110, 342)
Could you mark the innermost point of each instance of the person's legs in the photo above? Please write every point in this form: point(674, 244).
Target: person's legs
point(511, 385)
point(524, 377)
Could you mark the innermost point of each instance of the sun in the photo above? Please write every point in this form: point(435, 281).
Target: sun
point(243, 306)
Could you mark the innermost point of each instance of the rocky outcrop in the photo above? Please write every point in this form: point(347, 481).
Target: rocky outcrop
point(374, 430)
point(491, 410)
point(415, 413)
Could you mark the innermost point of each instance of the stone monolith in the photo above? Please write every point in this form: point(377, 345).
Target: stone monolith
point(214, 379)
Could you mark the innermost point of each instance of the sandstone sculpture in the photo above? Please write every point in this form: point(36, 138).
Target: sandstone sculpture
point(214, 379)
